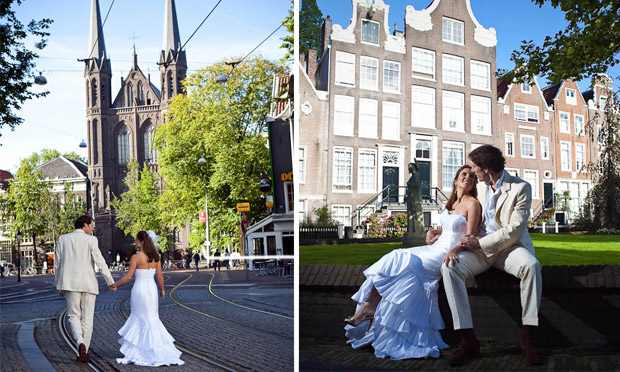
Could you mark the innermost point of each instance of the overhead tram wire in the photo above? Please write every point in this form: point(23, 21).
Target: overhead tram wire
point(99, 33)
point(261, 43)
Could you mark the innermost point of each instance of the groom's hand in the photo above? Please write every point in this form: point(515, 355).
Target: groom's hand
point(62, 293)
point(431, 237)
point(469, 242)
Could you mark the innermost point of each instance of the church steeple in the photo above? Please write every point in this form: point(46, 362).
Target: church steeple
point(98, 72)
point(96, 44)
point(172, 62)
point(172, 40)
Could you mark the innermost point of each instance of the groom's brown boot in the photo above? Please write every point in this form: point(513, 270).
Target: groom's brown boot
point(83, 357)
point(469, 348)
point(529, 349)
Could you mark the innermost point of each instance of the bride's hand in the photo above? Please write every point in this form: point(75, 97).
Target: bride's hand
point(162, 293)
point(451, 257)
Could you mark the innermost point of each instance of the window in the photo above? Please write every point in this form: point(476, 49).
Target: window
point(564, 122)
point(365, 212)
point(301, 154)
point(580, 156)
point(343, 115)
point(391, 121)
point(94, 92)
point(509, 149)
point(599, 137)
point(602, 102)
point(565, 156)
point(452, 31)
point(391, 76)
point(525, 86)
point(480, 75)
point(422, 107)
point(526, 113)
point(151, 154)
point(341, 214)
point(368, 118)
point(531, 177)
point(512, 171)
point(367, 171)
point(423, 63)
point(452, 70)
point(571, 96)
point(423, 150)
point(290, 197)
point(544, 147)
point(345, 69)
point(124, 145)
point(579, 125)
point(453, 159)
point(480, 115)
point(527, 146)
point(343, 168)
point(369, 73)
point(370, 32)
point(453, 111)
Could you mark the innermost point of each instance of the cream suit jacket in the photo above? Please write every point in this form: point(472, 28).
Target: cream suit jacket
point(76, 253)
point(511, 214)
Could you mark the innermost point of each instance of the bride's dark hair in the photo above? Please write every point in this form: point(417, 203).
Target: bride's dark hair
point(454, 196)
point(148, 247)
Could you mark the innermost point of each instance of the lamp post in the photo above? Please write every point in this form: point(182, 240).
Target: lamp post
point(18, 238)
point(92, 197)
point(202, 161)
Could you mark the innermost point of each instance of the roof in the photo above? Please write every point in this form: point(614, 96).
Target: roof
point(551, 92)
point(281, 94)
point(502, 87)
point(588, 95)
point(63, 168)
point(5, 176)
point(155, 89)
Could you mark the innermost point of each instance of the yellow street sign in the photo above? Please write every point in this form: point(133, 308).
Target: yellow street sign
point(243, 207)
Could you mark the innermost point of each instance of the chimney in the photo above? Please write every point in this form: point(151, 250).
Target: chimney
point(312, 65)
point(326, 31)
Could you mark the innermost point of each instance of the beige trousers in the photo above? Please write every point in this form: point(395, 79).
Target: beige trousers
point(518, 261)
point(80, 311)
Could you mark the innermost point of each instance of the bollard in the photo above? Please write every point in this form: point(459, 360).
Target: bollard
point(544, 224)
point(557, 228)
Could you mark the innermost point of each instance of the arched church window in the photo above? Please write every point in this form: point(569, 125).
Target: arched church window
point(94, 95)
point(170, 85)
point(102, 92)
point(150, 153)
point(94, 147)
point(129, 95)
point(140, 93)
point(124, 145)
point(87, 95)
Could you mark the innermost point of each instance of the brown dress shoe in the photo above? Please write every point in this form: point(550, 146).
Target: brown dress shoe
point(83, 357)
point(467, 351)
point(531, 352)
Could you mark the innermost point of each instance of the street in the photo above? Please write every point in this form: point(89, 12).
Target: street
point(220, 321)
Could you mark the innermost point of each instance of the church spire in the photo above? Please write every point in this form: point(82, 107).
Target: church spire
point(172, 40)
point(96, 44)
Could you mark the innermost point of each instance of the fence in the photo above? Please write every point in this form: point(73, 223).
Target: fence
point(318, 233)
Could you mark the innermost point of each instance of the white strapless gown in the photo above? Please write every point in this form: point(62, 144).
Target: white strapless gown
point(144, 339)
point(407, 320)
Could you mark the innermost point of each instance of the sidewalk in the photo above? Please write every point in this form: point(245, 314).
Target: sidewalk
point(237, 275)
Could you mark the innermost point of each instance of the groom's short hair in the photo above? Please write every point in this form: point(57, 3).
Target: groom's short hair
point(79, 223)
point(487, 156)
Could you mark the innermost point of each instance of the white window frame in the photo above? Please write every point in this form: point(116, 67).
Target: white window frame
point(447, 175)
point(544, 148)
point(602, 105)
point(531, 114)
point(301, 157)
point(533, 142)
point(336, 216)
point(446, 61)
point(361, 173)
point(536, 185)
point(422, 71)
point(571, 96)
point(447, 112)
point(580, 167)
point(368, 118)
point(366, 78)
point(345, 69)
point(525, 84)
point(512, 171)
point(365, 212)
point(426, 143)
point(362, 32)
point(390, 125)
point(342, 127)
point(564, 129)
point(286, 196)
point(477, 116)
point(569, 160)
point(450, 36)
point(422, 112)
point(508, 135)
point(387, 87)
point(345, 187)
point(476, 78)
point(579, 131)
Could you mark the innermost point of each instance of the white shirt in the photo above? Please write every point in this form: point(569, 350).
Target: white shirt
point(489, 210)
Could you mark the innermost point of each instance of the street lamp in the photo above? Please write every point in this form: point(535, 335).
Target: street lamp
point(83, 145)
point(202, 161)
point(222, 79)
point(18, 238)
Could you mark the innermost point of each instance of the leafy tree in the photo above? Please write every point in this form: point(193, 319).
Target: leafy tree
point(589, 44)
point(17, 62)
point(323, 218)
point(45, 155)
point(224, 124)
point(288, 42)
point(310, 21)
point(58, 217)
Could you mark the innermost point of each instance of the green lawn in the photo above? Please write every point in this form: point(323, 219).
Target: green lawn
point(551, 249)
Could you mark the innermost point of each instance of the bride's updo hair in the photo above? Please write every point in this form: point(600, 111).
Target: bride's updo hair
point(454, 196)
point(148, 247)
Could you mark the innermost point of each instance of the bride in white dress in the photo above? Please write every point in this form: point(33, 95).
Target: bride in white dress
point(397, 309)
point(145, 341)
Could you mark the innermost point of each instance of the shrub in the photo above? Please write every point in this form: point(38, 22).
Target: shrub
point(385, 226)
point(605, 231)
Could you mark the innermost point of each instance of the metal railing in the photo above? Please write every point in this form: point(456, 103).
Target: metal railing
point(318, 233)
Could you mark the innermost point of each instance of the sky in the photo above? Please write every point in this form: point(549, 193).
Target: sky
point(58, 121)
point(513, 20)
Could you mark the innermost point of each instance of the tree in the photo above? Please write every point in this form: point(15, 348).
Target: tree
point(45, 155)
point(288, 42)
point(589, 44)
point(310, 22)
point(17, 62)
point(58, 217)
point(224, 124)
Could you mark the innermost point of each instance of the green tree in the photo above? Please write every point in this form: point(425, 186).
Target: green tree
point(310, 22)
point(137, 208)
point(224, 124)
point(45, 155)
point(589, 44)
point(17, 62)
point(288, 42)
point(58, 217)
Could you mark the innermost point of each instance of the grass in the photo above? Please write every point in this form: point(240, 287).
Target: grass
point(551, 250)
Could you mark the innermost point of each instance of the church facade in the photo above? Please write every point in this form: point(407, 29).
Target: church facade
point(122, 127)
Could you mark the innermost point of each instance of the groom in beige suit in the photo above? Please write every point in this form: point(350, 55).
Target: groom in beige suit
point(506, 202)
point(75, 279)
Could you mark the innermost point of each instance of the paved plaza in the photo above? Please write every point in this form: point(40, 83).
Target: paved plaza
point(227, 320)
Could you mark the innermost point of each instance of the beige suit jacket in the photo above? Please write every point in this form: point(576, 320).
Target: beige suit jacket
point(76, 253)
point(511, 214)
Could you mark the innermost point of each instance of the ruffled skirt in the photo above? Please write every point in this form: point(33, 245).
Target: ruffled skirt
point(407, 320)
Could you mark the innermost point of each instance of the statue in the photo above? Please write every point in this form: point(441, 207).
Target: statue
point(415, 215)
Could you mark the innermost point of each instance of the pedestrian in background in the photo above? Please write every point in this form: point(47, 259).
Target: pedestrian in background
point(188, 259)
point(226, 260)
point(196, 259)
point(217, 263)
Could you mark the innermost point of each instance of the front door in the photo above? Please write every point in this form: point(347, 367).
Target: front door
point(548, 194)
point(424, 167)
point(390, 178)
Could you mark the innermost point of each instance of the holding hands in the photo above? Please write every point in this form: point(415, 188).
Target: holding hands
point(467, 243)
point(112, 287)
point(432, 236)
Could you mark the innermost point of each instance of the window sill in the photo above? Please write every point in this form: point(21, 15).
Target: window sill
point(423, 77)
point(344, 85)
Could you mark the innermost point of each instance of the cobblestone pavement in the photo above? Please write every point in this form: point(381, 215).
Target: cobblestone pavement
point(328, 354)
point(241, 338)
